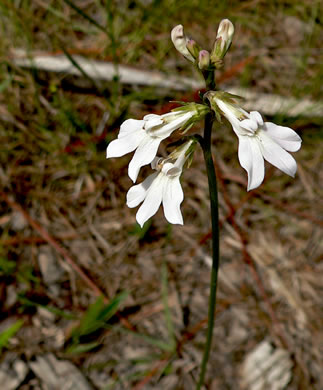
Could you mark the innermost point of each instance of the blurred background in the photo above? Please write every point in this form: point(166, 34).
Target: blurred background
point(89, 300)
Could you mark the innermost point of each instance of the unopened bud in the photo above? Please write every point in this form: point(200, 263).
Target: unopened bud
point(193, 48)
point(225, 31)
point(180, 40)
point(223, 40)
point(204, 59)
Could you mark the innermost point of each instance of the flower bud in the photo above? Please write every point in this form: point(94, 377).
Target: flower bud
point(180, 40)
point(223, 40)
point(204, 59)
point(193, 48)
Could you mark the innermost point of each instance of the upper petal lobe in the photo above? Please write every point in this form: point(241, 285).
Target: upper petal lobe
point(283, 136)
point(144, 154)
point(129, 137)
point(276, 155)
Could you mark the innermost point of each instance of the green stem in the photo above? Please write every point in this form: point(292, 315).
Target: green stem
point(209, 79)
point(206, 146)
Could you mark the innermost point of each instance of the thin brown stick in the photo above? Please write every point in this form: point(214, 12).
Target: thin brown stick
point(186, 336)
point(287, 208)
point(64, 253)
point(35, 239)
point(160, 364)
point(249, 261)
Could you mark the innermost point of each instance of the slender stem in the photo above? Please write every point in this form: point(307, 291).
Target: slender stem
point(206, 146)
point(209, 79)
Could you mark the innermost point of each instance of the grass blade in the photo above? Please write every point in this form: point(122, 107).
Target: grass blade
point(168, 316)
point(80, 69)
point(6, 335)
point(85, 16)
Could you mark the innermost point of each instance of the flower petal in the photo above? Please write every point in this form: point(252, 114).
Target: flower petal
point(151, 116)
point(137, 193)
point(177, 121)
point(276, 155)
point(255, 116)
point(121, 146)
point(130, 126)
point(231, 117)
point(283, 136)
point(249, 124)
point(251, 160)
point(129, 137)
point(144, 154)
point(152, 201)
point(179, 40)
point(153, 122)
point(155, 162)
point(172, 198)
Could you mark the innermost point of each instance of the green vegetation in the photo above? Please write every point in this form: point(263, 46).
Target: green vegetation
point(54, 130)
point(95, 318)
point(8, 333)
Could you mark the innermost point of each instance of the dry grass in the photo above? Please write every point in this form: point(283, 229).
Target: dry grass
point(53, 166)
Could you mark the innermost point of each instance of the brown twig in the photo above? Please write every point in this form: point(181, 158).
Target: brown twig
point(248, 259)
point(35, 239)
point(64, 253)
point(160, 364)
point(289, 209)
point(187, 335)
point(283, 206)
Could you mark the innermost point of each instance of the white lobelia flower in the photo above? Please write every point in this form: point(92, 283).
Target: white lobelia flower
point(259, 140)
point(223, 40)
point(163, 187)
point(180, 41)
point(145, 135)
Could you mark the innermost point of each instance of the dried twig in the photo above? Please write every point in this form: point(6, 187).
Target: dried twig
point(269, 104)
point(248, 259)
point(64, 253)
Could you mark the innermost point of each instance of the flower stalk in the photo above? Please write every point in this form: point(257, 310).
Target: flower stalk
point(258, 141)
point(205, 143)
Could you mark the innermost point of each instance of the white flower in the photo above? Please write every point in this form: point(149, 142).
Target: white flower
point(145, 135)
point(259, 140)
point(180, 41)
point(163, 187)
point(223, 39)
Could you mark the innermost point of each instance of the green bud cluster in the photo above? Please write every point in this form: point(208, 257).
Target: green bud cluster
point(203, 59)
